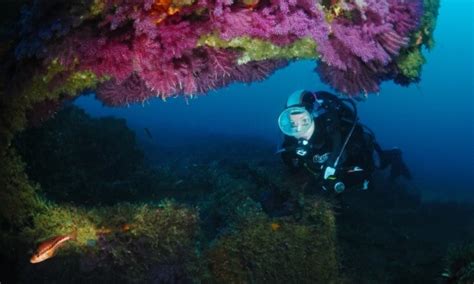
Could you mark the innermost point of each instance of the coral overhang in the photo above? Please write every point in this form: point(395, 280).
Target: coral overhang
point(139, 49)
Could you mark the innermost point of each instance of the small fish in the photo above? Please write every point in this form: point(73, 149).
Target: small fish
point(148, 133)
point(47, 249)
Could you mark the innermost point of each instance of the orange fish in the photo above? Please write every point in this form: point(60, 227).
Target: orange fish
point(47, 249)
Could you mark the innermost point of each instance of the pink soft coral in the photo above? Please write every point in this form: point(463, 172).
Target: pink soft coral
point(153, 44)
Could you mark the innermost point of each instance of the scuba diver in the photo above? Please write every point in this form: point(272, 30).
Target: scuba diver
point(324, 137)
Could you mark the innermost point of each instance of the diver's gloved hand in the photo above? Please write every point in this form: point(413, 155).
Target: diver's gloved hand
point(329, 172)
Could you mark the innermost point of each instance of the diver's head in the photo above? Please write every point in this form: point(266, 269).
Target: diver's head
point(295, 120)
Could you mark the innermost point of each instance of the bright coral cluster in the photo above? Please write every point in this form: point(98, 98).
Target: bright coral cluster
point(163, 48)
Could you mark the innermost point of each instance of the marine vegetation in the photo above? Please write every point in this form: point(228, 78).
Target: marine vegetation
point(263, 249)
point(460, 264)
point(124, 243)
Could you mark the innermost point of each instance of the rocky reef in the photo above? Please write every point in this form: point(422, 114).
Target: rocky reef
point(202, 217)
point(217, 231)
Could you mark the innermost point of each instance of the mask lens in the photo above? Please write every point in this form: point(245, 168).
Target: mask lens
point(295, 121)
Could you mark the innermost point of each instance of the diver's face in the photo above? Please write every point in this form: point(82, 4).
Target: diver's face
point(302, 125)
point(297, 122)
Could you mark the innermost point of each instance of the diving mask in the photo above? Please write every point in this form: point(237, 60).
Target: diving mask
point(295, 121)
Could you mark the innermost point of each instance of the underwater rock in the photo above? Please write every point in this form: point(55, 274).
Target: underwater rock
point(87, 161)
point(221, 231)
point(159, 247)
point(300, 252)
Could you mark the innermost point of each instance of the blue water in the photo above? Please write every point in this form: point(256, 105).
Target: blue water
point(432, 122)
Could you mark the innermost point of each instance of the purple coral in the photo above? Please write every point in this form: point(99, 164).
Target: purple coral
point(357, 54)
point(146, 48)
point(197, 72)
point(256, 70)
point(131, 90)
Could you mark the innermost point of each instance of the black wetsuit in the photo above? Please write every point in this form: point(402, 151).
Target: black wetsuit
point(356, 163)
